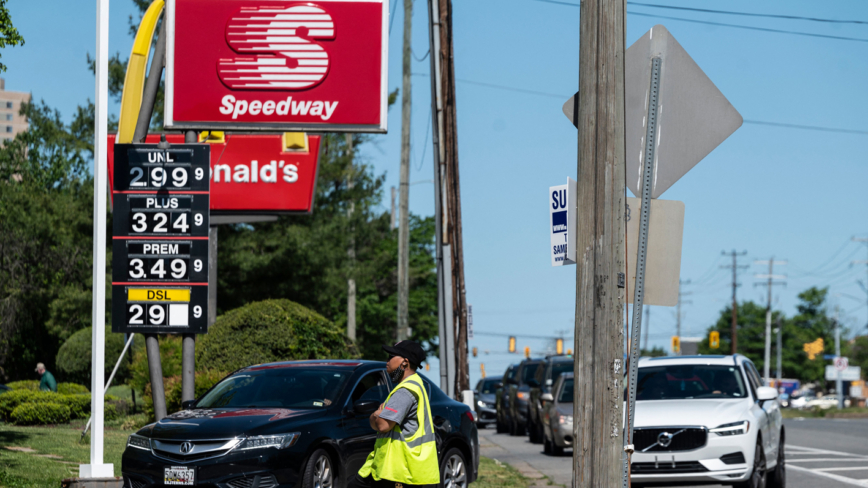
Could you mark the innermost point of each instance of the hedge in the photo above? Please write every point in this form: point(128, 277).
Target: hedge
point(40, 414)
point(73, 358)
point(271, 330)
point(204, 381)
point(72, 389)
point(78, 405)
point(24, 385)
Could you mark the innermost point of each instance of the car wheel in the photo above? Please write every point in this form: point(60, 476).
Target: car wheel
point(501, 429)
point(319, 473)
point(556, 449)
point(453, 471)
point(758, 475)
point(779, 475)
point(532, 432)
point(547, 446)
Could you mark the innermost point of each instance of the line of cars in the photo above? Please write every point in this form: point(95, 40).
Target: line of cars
point(289, 424)
point(699, 419)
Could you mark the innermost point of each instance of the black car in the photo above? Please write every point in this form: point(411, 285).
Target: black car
point(519, 394)
point(289, 424)
point(502, 399)
point(546, 375)
point(484, 395)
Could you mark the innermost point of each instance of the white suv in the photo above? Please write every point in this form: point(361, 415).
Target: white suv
point(706, 420)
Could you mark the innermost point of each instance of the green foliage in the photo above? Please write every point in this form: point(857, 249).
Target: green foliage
point(40, 414)
point(204, 381)
point(78, 404)
point(655, 352)
point(32, 385)
point(270, 330)
point(73, 359)
point(170, 360)
point(72, 389)
point(9, 35)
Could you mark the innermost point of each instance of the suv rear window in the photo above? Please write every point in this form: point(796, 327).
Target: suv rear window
point(528, 371)
point(689, 381)
point(561, 367)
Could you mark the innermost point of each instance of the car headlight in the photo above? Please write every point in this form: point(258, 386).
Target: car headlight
point(735, 428)
point(565, 419)
point(280, 441)
point(139, 442)
point(481, 403)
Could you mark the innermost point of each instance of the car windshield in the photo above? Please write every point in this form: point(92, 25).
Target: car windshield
point(528, 372)
point(487, 386)
point(277, 388)
point(689, 381)
point(511, 373)
point(561, 367)
point(566, 394)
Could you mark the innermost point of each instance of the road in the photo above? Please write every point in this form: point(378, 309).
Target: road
point(821, 453)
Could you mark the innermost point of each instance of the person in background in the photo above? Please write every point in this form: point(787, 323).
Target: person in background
point(47, 383)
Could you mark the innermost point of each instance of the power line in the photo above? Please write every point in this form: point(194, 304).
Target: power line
point(504, 87)
point(749, 14)
point(722, 24)
point(808, 127)
point(818, 268)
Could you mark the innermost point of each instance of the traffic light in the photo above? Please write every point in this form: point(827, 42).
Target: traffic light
point(482, 368)
point(814, 348)
point(714, 339)
point(427, 366)
point(559, 346)
point(526, 351)
point(474, 352)
point(511, 343)
point(676, 344)
point(569, 351)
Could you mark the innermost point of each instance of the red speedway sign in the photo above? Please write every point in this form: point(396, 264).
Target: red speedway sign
point(253, 174)
point(277, 65)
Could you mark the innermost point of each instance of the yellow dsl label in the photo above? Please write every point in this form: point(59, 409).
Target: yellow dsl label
point(158, 295)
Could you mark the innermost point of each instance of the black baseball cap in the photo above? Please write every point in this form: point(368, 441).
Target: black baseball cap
point(408, 349)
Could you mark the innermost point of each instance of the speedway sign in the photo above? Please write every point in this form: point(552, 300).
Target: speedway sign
point(277, 65)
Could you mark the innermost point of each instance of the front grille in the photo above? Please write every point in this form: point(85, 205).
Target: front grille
point(134, 483)
point(267, 481)
point(733, 458)
point(202, 449)
point(691, 438)
point(665, 467)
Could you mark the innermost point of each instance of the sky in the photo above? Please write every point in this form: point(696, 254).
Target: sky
point(793, 194)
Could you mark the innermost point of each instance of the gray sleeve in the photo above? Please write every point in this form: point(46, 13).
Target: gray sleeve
point(398, 406)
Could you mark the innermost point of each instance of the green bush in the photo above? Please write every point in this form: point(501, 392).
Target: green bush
point(204, 381)
point(10, 400)
point(40, 414)
point(270, 330)
point(24, 385)
point(78, 405)
point(73, 358)
point(72, 389)
point(170, 359)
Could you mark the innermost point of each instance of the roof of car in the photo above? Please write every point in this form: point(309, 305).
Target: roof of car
point(699, 359)
point(343, 363)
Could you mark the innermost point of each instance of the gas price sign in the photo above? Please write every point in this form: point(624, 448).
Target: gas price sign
point(160, 241)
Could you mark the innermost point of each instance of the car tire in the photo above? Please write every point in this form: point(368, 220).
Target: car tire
point(547, 446)
point(759, 474)
point(556, 449)
point(540, 433)
point(501, 429)
point(453, 470)
point(319, 472)
point(778, 477)
point(532, 433)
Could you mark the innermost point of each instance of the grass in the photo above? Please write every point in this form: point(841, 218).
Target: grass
point(853, 412)
point(494, 474)
point(50, 454)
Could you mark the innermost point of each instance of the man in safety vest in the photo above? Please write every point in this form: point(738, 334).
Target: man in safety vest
point(405, 453)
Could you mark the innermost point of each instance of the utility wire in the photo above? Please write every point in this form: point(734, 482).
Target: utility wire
point(504, 87)
point(808, 127)
point(749, 14)
point(816, 270)
point(393, 17)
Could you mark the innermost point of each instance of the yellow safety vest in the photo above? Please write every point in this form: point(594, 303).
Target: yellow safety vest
point(411, 460)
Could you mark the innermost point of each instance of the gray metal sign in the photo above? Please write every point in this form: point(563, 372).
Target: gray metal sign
point(663, 256)
point(694, 116)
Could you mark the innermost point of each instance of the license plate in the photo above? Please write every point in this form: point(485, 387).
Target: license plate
point(179, 475)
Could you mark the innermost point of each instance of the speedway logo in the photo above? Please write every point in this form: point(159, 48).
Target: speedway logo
point(231, 105)
point(290, 59)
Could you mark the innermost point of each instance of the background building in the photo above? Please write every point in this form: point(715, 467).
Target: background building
point(11, 122)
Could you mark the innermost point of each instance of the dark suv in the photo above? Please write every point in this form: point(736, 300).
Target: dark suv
point(501, 400)
point(546, 375)
point(519, 394)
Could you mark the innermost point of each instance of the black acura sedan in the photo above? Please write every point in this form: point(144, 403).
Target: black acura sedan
point(290, 424)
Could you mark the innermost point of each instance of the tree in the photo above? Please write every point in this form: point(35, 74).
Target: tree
point(9, 35)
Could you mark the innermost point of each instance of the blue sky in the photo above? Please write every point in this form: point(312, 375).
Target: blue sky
point(790, 193)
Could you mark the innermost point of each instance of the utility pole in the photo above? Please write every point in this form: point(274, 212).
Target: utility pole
point(767, 358)
point(351, 251)
point(839, 387)
point(735, 284)
point(392, 220)
point(403, 331)
point(599, 453)
point(863, 240)
point(779, 351)
point(678, 309)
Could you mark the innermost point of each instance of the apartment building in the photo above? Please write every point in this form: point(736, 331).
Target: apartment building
point(11, 123)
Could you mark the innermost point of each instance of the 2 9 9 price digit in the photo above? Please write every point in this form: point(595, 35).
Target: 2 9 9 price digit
point(164, 177)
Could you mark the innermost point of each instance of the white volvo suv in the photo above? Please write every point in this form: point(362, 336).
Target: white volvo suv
point(706, 420)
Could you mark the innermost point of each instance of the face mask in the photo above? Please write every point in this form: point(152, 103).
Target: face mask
point(397, 374)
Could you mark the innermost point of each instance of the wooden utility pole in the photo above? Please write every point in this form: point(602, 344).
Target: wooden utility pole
point(451, 182)
point(735, 284)
point(599, 368)
point(403, 330)
point(351, 250)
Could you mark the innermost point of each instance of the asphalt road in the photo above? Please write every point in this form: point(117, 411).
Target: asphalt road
point(821, 453)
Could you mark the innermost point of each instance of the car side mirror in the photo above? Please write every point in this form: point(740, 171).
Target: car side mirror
point(498, 386)
point(365, 407)
point(188, 404)
point(765, 393)
point(547, 397)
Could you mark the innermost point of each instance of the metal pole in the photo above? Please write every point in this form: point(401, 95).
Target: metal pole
point(97, 468)
point(647, 323)
point(650, 156)
point(212, 274)
point(351, 251)
point(156, 371)
point(188, 351)
point(152, 86)
point(839, 387)
point(734, 312)
point(779, 353)
point(767, 358)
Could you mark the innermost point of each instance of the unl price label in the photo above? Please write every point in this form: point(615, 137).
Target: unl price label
point(160, 309)
point(153, 169)
point(160, 260)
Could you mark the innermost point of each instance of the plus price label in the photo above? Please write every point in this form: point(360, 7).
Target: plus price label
point(160, 242)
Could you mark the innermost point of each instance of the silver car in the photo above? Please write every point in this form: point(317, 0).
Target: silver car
point(557, 416)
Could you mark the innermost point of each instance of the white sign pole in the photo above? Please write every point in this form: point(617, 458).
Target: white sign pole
point(96, 468)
